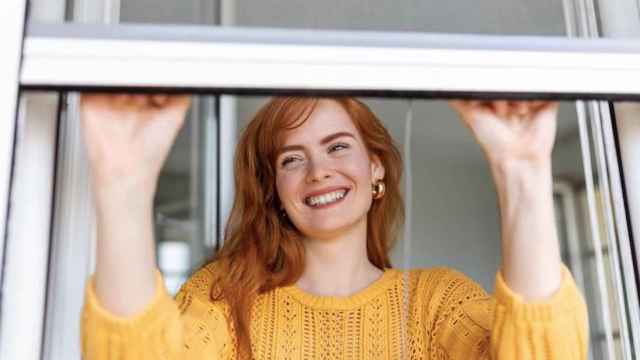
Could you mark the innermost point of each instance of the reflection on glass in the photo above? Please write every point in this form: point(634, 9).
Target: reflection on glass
point(454, 204)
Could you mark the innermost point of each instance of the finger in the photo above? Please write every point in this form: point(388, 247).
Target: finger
point(120, 99)
point(463, 108)
point(93, 101)
point(521, 108)
point(484, 107)
point(94, 97)
point(543, 104)
point(502, 108)
point(88, 98)
point(139, 100)
point(536, 104)
point(459, 105)
point(537, 107)
point(549, 106)
point(159, 100)
point(179, 102)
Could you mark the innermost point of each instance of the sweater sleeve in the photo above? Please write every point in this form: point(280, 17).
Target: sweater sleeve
point(556, 328)
point(189, 327)
point(469, 324)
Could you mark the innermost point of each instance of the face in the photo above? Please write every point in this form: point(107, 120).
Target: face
point(324, 174)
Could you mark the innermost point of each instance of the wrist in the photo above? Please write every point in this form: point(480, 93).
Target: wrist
point(124, 191)
point(521, 181)
point(506, 169)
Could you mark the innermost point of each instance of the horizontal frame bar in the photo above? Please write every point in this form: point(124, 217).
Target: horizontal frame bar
point(251, 60)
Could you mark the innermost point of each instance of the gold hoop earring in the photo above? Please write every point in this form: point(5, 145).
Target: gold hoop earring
point(378, 189)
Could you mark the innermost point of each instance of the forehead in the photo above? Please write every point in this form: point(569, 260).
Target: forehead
point(328, 117)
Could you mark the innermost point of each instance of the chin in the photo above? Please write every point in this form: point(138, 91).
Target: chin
point(328, 229)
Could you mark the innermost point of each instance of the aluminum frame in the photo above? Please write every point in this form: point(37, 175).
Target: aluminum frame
point(617, 203)
point(12, 20)
point(237, 60)
point(73, 239)
point(596, 240)
point(583, 20)
point(27, 248)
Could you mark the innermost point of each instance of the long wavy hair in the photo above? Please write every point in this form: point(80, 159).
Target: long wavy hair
point(262, 249)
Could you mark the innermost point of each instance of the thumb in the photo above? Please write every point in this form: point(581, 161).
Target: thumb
point(181, 102)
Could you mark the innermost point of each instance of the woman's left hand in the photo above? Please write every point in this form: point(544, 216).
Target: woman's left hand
point(511, 130)
point(517, 138)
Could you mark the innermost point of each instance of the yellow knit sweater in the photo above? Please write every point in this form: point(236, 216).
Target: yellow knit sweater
point(435, 313)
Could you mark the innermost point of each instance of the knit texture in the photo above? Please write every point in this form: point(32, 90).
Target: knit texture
point(446, 316)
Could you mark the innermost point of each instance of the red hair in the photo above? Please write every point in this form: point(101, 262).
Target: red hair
point(263, 250)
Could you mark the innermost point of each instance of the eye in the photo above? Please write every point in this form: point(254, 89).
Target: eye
point(288, 160)
point(338, 146)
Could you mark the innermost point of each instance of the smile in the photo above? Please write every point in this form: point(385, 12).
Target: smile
point(326, 199)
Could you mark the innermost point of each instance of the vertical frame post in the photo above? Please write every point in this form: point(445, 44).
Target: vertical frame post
point(12, 20)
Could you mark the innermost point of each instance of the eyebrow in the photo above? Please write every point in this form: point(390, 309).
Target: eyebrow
point(324, 141)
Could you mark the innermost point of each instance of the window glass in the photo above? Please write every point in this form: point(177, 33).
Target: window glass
point(543, 17)
point(186, 198)
point(458, 16)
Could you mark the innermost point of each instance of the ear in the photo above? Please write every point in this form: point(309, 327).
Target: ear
point(377, 169)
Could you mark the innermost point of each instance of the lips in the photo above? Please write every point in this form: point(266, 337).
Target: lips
point(326, 197)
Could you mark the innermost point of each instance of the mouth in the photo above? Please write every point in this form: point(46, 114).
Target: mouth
point(327, 199)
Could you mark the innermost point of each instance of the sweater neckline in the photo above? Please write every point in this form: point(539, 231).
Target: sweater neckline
point(385, 281)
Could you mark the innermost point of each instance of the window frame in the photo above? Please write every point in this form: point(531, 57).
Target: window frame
point(57, 57)
point(12, 20)
point(12, 25)
point(250, 60)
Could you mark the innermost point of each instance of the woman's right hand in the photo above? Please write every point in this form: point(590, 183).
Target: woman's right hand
point(128, 137)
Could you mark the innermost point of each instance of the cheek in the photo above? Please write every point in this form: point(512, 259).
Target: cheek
point(286, 184)
point(359, 170)
point(357, 164)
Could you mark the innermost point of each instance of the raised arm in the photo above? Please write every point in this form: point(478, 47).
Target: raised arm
point(127, 313)
point(127, 138)
point(517, 139)
point(539, 312)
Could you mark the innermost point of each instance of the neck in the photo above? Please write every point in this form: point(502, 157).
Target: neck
point(338, 266)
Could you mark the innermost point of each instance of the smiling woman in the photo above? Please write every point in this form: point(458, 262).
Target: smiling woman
point(305, 268)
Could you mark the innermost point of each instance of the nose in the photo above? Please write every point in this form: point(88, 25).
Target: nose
point(318, 170)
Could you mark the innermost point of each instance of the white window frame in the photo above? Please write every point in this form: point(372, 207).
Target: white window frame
point(236, 60)
point(12, 28)
point(267, 60)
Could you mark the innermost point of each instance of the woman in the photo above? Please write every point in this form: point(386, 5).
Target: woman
point(304, 271)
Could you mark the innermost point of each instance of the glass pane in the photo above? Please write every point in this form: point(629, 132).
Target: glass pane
point(454, 218)
point(170, 12)
point(458, 16)
point(543, 17)
point(186, 198)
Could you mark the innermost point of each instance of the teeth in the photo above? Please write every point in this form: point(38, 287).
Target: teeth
point(326, 198)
